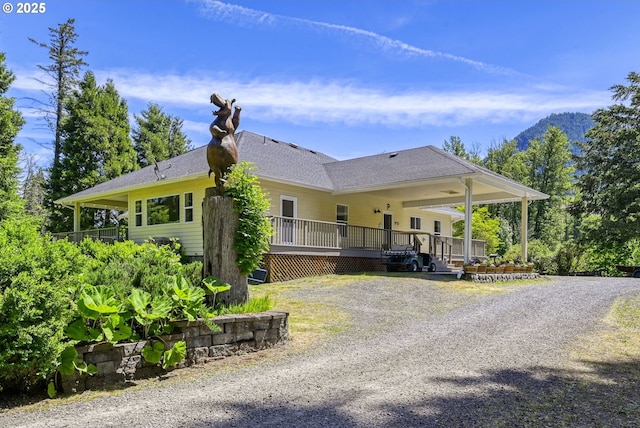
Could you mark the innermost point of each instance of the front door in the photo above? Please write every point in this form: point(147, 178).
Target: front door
point(387, 226)
point(288, 210)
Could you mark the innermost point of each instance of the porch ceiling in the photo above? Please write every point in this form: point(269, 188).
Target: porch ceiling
point(118, 202)
point(450, 192)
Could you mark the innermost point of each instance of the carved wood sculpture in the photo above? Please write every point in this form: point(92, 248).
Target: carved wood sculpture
point(222, 151)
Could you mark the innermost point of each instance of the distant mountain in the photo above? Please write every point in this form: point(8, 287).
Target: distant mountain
point(575, 125)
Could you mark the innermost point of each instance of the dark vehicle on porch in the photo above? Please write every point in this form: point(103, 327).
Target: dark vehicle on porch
point(407, 259)
point(633, 271)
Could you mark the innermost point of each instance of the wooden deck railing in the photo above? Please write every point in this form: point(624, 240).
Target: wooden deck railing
point(107, 234)
point(297, 232)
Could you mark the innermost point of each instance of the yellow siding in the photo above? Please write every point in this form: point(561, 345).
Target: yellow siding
point(189, 233)
point(318, 205)
point(311, 204)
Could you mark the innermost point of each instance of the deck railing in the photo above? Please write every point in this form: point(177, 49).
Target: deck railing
point(107, 234)
point(297, 232)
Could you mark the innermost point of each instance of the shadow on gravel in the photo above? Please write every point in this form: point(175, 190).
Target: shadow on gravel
point(607, 395)
point(10, 399)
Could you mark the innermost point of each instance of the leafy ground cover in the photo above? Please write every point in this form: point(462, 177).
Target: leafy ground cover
point(55, 295)
point(600, 373)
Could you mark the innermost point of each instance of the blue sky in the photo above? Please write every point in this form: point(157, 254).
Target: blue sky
point(345, 77)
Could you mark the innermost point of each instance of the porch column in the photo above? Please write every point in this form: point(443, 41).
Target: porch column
point(76, 221)
point(76, 217)
point(524, 229)
point(468, 215)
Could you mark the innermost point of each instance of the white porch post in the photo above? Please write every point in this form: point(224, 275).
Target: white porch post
point(76, 221)
point(524, 229)
point(468, 212)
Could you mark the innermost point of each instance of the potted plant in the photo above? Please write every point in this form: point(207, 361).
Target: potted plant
point(471, 267)
point(482, 268)
point(509, 267)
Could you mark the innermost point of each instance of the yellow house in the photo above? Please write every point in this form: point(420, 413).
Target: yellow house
point(328, 215)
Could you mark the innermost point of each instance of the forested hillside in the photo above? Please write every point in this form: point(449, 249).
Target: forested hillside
point(574, 125)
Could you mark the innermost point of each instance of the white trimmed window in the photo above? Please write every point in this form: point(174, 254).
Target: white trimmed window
point(163, 210)
point(437, 227)
point(416, 223)
point(188, 207)
point(138, 213)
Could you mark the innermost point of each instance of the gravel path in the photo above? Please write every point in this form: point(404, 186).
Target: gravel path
point(415, 354)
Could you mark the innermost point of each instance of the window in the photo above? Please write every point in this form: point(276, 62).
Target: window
point(188, 207)
point(138, 213)
point(437, 227)
point(416, 223)
point(342, 214)
point(342, 217)
point(163, 210)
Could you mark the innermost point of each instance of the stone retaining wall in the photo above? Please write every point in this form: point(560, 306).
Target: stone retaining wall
point(238, 334)
point(499, 277)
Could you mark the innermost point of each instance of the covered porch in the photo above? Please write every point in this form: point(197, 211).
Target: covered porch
point(294, 235)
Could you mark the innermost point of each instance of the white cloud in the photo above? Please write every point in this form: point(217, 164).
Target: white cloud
point(322, 101)
point(332, 101)
point(242, 16)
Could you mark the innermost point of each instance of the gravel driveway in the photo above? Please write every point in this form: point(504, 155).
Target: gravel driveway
point(415, 354)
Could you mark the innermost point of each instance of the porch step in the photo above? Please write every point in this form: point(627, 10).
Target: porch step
point(441, 266)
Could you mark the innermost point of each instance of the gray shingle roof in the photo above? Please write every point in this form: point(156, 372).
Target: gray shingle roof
point(289, 163)
point(286, 162)
point(421, 163)
point(273, 159)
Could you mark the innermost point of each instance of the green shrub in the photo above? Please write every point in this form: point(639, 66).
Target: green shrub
point(538, 253)
point(127, 265)
point(566, 259)
point(193, 272)
point(38, 278)
point(254, 229)
point(53, 294)
point(33, 313)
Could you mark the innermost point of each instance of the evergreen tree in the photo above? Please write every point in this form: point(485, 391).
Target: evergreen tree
point(10, 123)
point(550, 171)
point(456, 147)
point(610, 180)
point(158, 136)
point(64, 70)
point(96, 148)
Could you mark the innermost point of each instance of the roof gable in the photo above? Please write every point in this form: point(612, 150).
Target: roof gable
point(289, 163)
point(417, 164)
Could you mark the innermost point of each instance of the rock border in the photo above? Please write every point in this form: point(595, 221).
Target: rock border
point(500, 277)
point(122, 362)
